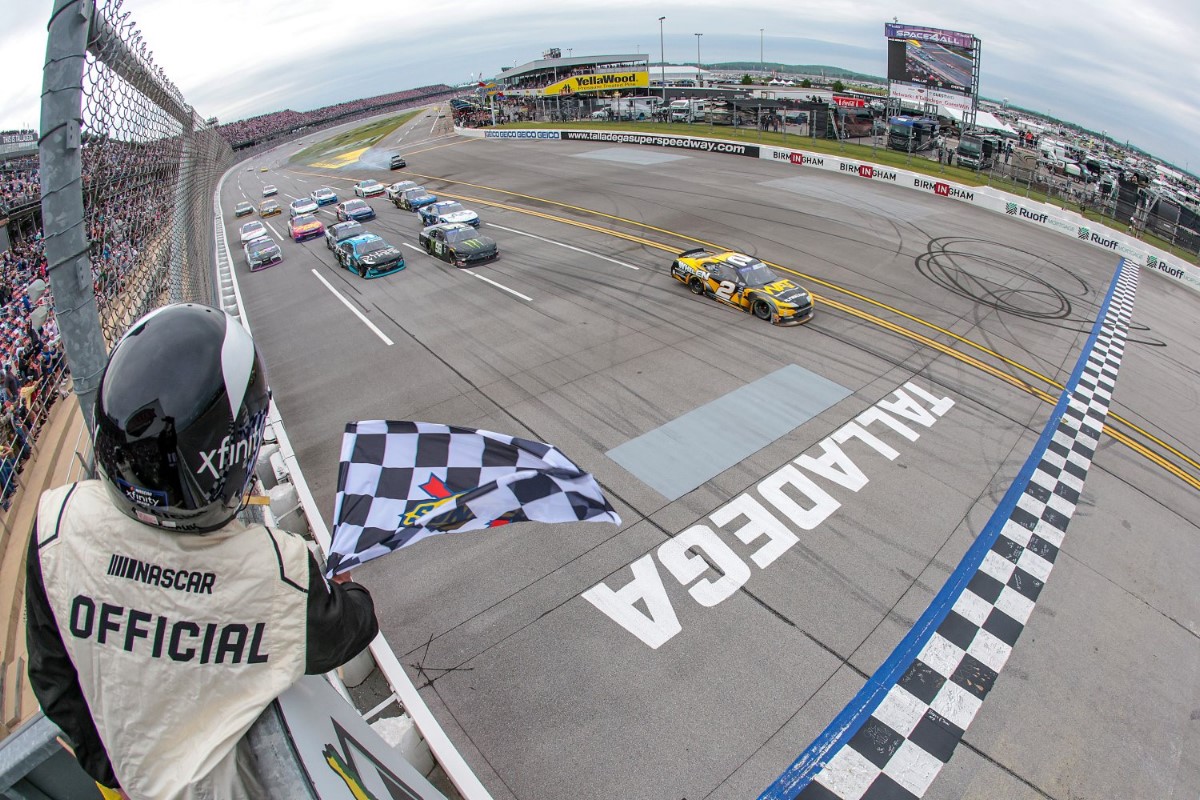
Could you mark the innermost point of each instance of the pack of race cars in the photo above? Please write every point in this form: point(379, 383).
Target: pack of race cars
point(450, 232)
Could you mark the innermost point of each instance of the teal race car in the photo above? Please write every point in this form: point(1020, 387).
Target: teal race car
point(369, 256)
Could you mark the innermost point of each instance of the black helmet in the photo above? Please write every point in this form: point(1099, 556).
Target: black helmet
point(179, 418)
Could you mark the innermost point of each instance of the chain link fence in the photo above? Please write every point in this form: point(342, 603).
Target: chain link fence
point(128, 173)
point(149, 167)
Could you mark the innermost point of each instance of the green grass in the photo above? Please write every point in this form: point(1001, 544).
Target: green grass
point(362, 136)
point(857, 152)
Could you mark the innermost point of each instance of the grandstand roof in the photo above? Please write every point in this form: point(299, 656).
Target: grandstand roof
point(550, 64)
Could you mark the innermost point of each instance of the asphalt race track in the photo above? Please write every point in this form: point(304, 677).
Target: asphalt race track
point(578, 336)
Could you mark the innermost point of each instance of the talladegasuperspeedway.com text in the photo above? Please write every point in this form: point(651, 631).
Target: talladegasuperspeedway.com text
point(664, 141)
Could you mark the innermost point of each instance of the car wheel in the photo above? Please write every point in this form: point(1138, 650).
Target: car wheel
point(762, 309)
point(696, 285)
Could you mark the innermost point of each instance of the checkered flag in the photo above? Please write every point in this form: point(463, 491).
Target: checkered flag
point(401, 482)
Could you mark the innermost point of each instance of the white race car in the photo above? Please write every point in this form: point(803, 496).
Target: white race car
point(448, 211)
point(302, 205)
point(324, 196)
point(393, 191)
point(368, 188)
point(252, 230)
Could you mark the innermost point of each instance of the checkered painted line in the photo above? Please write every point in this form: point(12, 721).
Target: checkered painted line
point(892, 740)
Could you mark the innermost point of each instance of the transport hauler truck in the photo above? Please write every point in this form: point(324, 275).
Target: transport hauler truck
point(977, 151)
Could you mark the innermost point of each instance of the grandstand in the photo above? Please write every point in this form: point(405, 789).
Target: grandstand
point(267, 127)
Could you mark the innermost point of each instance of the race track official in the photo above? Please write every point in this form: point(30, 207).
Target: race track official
point(159, 626)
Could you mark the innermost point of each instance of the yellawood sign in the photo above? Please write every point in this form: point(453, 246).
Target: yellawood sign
point(605, 82)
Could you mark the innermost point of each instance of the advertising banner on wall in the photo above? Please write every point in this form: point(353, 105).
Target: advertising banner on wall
point(931, 57)
point(684, 142)
point(605, 82)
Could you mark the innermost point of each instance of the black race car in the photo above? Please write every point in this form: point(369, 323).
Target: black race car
point(398, 161)
point(458, 243)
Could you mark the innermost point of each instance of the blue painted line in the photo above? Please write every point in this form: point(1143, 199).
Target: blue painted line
point(806, 766)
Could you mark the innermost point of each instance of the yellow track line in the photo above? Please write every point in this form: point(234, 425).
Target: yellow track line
point(1025, 387)
point(811, 278)
point(1152, 456)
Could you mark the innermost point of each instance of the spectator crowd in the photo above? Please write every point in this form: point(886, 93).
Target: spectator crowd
point(19, 183)
point(267, 126)
point(31, 356)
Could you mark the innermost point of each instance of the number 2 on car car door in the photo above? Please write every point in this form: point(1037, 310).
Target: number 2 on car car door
point(725, 291)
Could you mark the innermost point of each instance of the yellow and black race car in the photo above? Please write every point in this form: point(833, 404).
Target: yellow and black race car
point(743, 282)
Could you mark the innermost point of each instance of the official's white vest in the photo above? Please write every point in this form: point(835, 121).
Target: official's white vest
point(180, 641)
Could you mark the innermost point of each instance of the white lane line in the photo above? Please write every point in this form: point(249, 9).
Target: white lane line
point(560, 244)
point(357, 313)
point(272, 227)
point(501, 286)
point(477, 275)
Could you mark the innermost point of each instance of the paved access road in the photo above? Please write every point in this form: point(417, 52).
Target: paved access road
point(578, 336)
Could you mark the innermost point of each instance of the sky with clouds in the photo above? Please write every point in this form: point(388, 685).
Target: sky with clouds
point(1128, 68)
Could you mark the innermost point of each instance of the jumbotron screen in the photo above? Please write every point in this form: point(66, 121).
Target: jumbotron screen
point(932, 57)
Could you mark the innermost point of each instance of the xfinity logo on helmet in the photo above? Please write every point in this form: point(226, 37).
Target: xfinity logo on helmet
point(232, 452)
point(147, 498)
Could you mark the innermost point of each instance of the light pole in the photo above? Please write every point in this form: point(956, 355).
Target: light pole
point(698, 35)
point(761, 63)
point(662, 60)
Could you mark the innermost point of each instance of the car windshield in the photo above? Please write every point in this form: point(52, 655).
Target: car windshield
point(450, 208)
point(304, 219)
point(300, 203)
point(756, 274)
point(251, 227)
point(349, 231)
point(324, 192)
point(414, 193)
point(368, 184)
point(373, 246)
point(460, 235)
point(355, 205)
point(261, 245)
